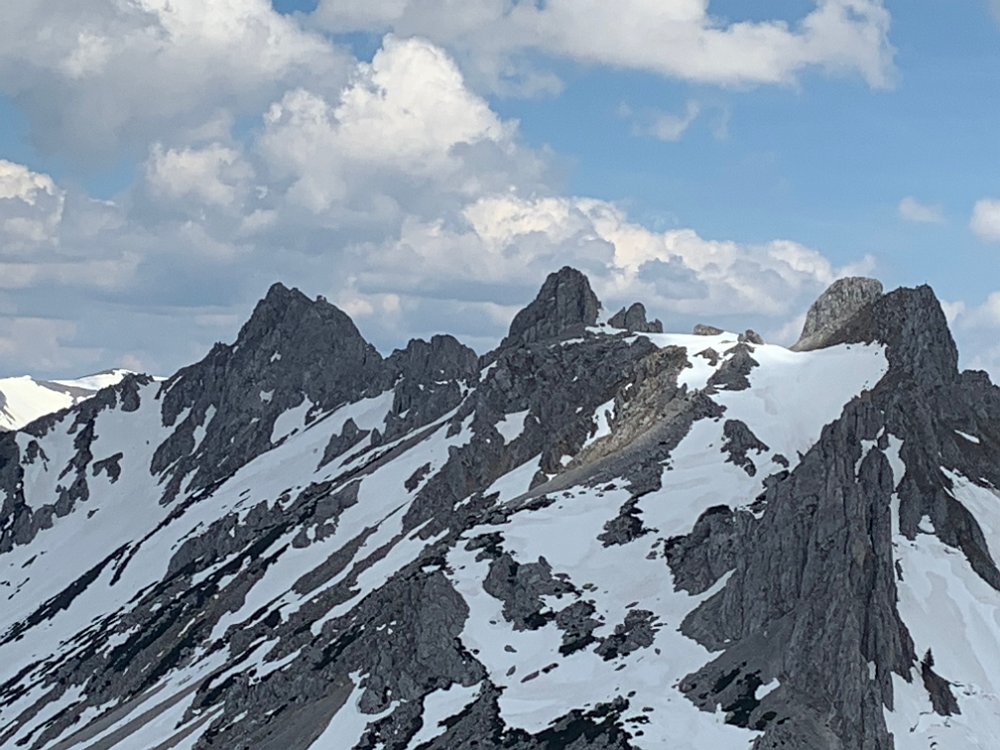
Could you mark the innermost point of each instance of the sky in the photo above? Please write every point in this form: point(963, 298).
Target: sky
point(424, 164)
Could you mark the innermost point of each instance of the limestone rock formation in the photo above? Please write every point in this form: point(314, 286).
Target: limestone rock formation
point(835, 308)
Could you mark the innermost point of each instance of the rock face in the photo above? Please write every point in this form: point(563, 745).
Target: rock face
point(566, 303)
point(835, 308)
point(634, 319)
point(581, 540)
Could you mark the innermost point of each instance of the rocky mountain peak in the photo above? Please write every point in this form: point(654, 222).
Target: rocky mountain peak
point(602, 545)
point(834, 308)
point(565, 302)
point(289, 316)
point(292, 352)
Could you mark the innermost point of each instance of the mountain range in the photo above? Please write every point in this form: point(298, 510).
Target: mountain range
point(597, 536)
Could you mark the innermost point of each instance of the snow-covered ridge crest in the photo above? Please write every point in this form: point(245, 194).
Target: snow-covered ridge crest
point(24, 399)
point(593, 537)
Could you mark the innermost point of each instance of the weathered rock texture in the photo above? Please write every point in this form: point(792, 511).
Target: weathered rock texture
point(298, 536)
point(835, 308)
point(566, 303)
point(634, 319)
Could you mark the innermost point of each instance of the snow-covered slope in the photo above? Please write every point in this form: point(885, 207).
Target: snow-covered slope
point(590, 538)
point(24, 399)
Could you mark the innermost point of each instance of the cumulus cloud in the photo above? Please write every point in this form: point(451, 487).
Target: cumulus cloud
point(407, 115)
point(678, 39)
point(43, 344)
point(401, 195)
point(985, 222)
point(515, 241)
point(31, 207)
point(93, 76)
point(215, 174)
point(910, 209)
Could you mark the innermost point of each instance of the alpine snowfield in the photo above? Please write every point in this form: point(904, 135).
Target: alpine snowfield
point(520, 550)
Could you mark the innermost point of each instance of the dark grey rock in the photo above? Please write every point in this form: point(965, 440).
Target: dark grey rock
point(734, 373)
point(710, 355)
point(634, 319)
point(636, 632)
point(291, 349)
point(578, 625)
point(520, 588)
point(751, 337)
point(626, 527)
point(938, 688)
point(700, 558)
point(810, 598)
point(564, 303)
point(739, 440)
point(339, 444)
point(705, 330)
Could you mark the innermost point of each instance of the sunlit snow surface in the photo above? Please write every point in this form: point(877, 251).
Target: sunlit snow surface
point(953, 612)
point(793, 395)
point(24, 399)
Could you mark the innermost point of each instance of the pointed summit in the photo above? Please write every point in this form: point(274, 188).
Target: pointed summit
point(835, 308)
point(290, 313)
point(293, 351)
point(564, 302)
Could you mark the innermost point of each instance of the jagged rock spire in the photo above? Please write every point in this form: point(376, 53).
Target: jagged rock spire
point(565, 301)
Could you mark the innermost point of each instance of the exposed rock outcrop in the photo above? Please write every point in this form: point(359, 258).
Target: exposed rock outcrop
point(565, 304)
point(834, 309)
point(435, 551)
point(634, 319)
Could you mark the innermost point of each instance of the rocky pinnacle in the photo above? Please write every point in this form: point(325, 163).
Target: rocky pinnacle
point(564, 302)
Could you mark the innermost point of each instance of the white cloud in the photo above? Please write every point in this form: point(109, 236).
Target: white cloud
point(953, 310)
point(405, 131)
point(46, 235)
point(516, 241)
point(401, 195)
point(913, 210)
point(214, 174)
point(669, 127)
point(44, 344)
point(94, 76)
point(677, 39)
point(986, 315)
point(985, 221)
point(31, 208)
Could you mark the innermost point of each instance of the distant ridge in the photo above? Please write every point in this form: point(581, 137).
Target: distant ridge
point(24, 399)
